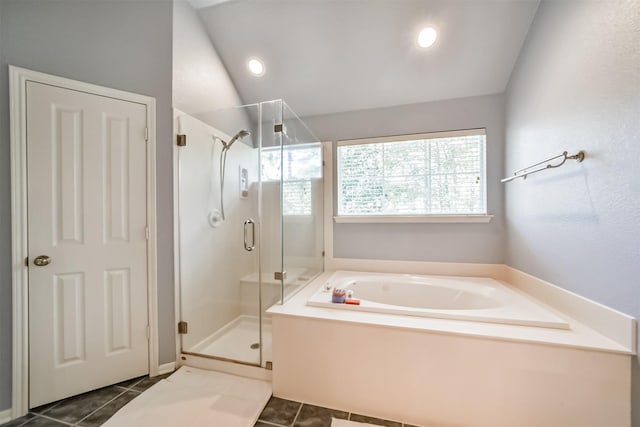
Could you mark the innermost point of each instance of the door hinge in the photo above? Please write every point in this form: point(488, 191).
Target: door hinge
point(181, 140)
point(278, 128)
point(146, 232)
point(182, 327)
point(146, 134)
point(148, 333)
point(280, 275)
point(322, 253)
point(26, 261)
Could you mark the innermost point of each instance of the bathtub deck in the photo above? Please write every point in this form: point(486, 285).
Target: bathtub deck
point(423, 370)
point(578, 336)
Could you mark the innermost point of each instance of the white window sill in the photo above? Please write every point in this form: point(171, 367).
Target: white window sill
point(380, 219)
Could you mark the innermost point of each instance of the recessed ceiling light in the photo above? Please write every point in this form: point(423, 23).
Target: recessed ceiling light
point(256, 66)
point(427, 37)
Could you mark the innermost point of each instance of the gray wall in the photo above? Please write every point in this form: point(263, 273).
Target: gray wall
point(481, 243)
point(200, 80)
point(123, 45)
point(576, 87)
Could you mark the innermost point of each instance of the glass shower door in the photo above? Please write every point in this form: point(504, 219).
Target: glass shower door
point(292, 207)
point(219, 190)
point(302, 198)
point(250, 225)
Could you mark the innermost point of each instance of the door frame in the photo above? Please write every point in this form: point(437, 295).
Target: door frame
point(18, 78)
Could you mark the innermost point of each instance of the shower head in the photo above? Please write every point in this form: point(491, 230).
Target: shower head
point(238, 135)
point(223, 161)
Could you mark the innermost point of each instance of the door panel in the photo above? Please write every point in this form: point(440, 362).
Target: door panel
point(86, 157)
point(67, 165)
point(117, 287)
point(116, 164)
point(69, 339)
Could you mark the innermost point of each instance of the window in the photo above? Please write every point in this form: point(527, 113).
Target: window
point(300, 165)
point(412, 175)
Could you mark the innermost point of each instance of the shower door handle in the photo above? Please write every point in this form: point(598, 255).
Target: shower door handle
point(251, 247)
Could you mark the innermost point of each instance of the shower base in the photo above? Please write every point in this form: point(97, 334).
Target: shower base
point(239, 341)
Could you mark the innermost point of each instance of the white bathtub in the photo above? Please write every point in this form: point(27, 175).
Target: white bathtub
point(444, 297)
point(422, 370)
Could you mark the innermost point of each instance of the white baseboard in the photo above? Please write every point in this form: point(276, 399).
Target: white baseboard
point(165, 368)
point(5, 415)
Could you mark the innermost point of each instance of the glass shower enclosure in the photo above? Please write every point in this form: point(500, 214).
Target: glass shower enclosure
point(250, 225)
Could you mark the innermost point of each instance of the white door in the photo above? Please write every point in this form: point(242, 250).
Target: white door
point(86, 163)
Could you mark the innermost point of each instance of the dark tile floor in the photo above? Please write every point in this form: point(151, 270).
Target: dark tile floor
point(86, 410)
point(94, 408)
point(287, 413)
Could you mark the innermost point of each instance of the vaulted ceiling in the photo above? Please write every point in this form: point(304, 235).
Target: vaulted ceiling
point(326, 56)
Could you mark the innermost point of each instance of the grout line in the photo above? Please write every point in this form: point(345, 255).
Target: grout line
point(52, 419)
point(128, 389)
point(48, 409)
point(270, 423)
point(297, 414)
point(26, 421)
point(140, 380)
point(349, 414)
point(96, 410)
point(44, 413)
point(131, 387)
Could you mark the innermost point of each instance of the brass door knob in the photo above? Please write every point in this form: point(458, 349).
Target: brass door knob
point(42, 260)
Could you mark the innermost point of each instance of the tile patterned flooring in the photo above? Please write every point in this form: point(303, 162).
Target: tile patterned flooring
point(94, 408)
point(90, 409)
point(287, 413)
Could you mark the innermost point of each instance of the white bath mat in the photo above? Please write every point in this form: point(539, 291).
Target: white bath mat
point(336, 422)
point(194, 398)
